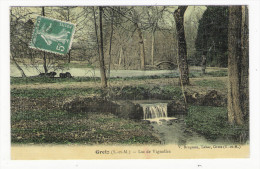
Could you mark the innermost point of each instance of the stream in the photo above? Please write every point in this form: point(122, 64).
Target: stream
point(175, 131)
point(172, 130)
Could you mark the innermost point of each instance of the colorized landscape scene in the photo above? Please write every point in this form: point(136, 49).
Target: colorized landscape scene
point(129, 75)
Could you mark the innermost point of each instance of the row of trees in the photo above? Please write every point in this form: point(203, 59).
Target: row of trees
point(134, 37)
point(135, 19)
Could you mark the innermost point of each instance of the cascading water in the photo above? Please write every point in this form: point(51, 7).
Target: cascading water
point(155, 112)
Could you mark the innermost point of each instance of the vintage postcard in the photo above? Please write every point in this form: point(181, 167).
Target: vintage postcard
point(130, 82)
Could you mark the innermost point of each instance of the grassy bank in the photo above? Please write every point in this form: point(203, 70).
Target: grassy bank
point(37, 116)
point(41, 80)
point(60, 127)
point(46, 93)
point(212, 122)
point(127, 92)
point(35, 80)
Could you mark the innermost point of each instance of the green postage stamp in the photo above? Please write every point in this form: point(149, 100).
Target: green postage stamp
point(52, 35)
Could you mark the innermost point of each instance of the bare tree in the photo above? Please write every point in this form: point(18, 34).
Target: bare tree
point(137, 25)
point(15, 39)
point(110, 41)
point(130, 23)
point(155, 14)
point(100, 46)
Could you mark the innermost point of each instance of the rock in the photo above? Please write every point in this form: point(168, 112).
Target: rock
point(65, 75)
point(89, 104)
point(68, 75)
point(162, 120)
point(146, 122)
point(212, 98)
point(193, 98)
point(129, 110)
point(169, 122)
point(50, 74)
point(123, 109)
point(176, 107)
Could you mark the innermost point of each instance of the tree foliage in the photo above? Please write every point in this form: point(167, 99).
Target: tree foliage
point(212, 37)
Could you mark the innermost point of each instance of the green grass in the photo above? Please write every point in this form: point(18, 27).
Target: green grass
point(137, 139)
point(45, 93)
point(216, 84)
point(33, 80)
point(60, 127)
point(212, 122)
point(218, 73)
point(142, 92)
point(195, 74)
point(128, 92)
point(215, 73)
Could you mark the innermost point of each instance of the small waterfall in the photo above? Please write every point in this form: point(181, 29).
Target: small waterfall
point(154, 112)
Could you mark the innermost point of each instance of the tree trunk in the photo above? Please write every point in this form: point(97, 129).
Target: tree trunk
point(235, 114)
point(124, 60)
point(245, 63)
point(68, 19)
point(182, 49)
point(101, 49)
point(141, 45)
point(110, 43)
point(44, 54)
point(203, 63)
point(120, 56)
point(69, 56)
point(152, 50)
